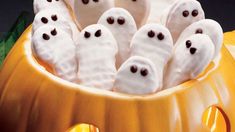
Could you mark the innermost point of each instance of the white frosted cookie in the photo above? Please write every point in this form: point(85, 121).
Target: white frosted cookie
point(191, 57)
point(180, 15)
point(153, 41)
point(55, 47)
point(54, 18)
point(120, 22)
point(96, 53)
point(139, 9)
point(89, 11)
point(137, 76)
point(208, 27)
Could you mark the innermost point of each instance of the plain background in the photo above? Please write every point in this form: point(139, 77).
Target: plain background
point(222, 11)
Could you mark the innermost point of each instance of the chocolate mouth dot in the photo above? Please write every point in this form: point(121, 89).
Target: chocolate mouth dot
point(134, 0)
point(54, 32)
point(49, 0)
point(45, 36)
point(195, 13)
point(151, 34)
point(54, 17)
point(199, 31)
point(144, 72)
point(96, 0)
point(44, 20)
point(193, 50)
point(160, 36)
point(121, 20)
point(98, 33)
point(85, 2)
point(87, 34)
point(185, 13)
point(188, 44)
point(134, 69)
point(110, 20)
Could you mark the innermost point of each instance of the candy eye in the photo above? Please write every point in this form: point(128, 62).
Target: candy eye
point(199, 31)
point(110, 20)
point(188, 44)
point(96, 0)
point(85, 2)
point(144, 72)
point(121, 20)
point(134, 69)
point(54, 17)
point(185, 13)
point(45, 36)
point(54, 32)
point(194, 13)
point(193, 50)
point(44, 20)
point(49, 0)
point(56, 0)
point(160, 36)
point(87, 34)
point(98, 33)
point(151, 34)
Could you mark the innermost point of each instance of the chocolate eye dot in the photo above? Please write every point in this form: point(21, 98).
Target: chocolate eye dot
point(44, 20)
point(134, 69)
point(144, 72)
point(49, 0)
point(45, 36)
point(185, 13)
point(188, 44)
point(54, 17)
point(151, 34)
point(96, 0)
point(121, 20)
point(160, 36)
point(199, 31)
point(56, 0)
point(85, 2)
point(193, 50)
point(87, 34)
point(98, 33)
point(54, 32)
point(134, 0)
point(110, 20)
point(195, 13)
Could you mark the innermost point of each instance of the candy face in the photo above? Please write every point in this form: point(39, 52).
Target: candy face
point(139, 9)
point(56, 48)
point(190, 58)
point(208, 27)
point(180, 15)
point(122, 25)
point(137, 76)
point(89, 11)
point(153, 41)
point(96, 53)
point(53, 17)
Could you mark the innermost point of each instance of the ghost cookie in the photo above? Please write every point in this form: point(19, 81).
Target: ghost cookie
point(54, 18)
point(180, 15)
point(55, 47)
point(153, 41)
point(137, 75)
point(89, 11)
point(96, 51)
point(191, 57)
point(208, 27)
point(139, 9)
point(120, 22)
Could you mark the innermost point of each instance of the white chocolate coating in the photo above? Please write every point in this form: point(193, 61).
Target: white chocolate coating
point(139, 9)
point(53, 17)
point(123, 33)
point(56, 48)
point(143, 79)
point(96, 53)
point(158, 51)
point(187, 63)
point(208, 27)
point(89, 13)
point(174, 19)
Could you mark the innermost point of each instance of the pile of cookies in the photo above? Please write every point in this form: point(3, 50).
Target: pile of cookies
point(111, 45)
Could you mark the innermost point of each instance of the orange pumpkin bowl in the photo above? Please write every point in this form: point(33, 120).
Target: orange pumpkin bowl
point(34, 100)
